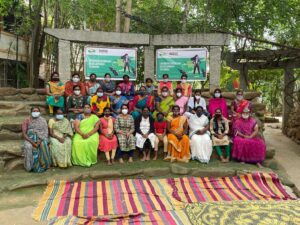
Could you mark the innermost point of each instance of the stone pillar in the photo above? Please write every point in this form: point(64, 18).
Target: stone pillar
point(64, 60)
point(149, 57)
point(288, 103)
point(214, 67)
point(244, 78)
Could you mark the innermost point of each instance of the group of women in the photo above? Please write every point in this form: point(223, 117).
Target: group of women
point(116, 120)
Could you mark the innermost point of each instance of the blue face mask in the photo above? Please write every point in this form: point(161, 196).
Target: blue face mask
point(59, 116)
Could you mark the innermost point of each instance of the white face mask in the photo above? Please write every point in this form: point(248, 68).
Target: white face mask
point(124, 111)
point(245, 116)
point(100, 94)
point(75, 79)
point(59, 116)
point(166, 80)
point(178, 94)
point(35, 114)
point(165, 94)
point(239, 97)
point(183, 81)
point(118, 92)
point(77, 92)
point(217, 95)
point(197, 97)
point(107, 79)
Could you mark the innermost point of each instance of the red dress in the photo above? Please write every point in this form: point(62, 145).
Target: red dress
point(160, 127)
point(105, 144)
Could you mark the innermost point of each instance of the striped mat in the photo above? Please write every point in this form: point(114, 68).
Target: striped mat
point(105, 199)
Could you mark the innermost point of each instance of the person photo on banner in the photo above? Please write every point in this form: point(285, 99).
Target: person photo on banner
point(126, 61)
point(196, 62)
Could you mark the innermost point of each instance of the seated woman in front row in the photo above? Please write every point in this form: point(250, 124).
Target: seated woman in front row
point(60, 140)
point(37, 156)
point(124, 128)
point(145, 137)
point(179, 144)
point(86, 140)
point(248, 147)
point(219, 128)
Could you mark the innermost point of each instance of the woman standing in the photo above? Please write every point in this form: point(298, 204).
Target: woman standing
point(219, 128)
point(124, 128)
point(37, 156)
point(108, 141)
point(179, 144)
point(91, 86)
point(145, 137)
point(99, 102)
point(140, 101)
point(55, 90)
point(217, 102)
point(60, 140)
point(86, 140)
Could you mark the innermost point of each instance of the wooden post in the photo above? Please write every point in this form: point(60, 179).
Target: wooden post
point(243, 77)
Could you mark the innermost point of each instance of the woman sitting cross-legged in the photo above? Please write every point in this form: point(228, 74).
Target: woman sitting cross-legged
point(179, 144)
point(160, 127)
point(60, 140)
point(219, 129)
point(108, 141)
point(86, 140)
point(124, 128)
point(201, 146)
point(145, 137)
point(37, 156)
point(248, 147)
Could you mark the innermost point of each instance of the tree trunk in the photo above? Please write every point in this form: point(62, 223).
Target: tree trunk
point(244, 78)
point(118, 16)
point(127, 19)
point(34, 50)
point(185, 15)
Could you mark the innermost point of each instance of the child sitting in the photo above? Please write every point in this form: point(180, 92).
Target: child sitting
point(160, 127)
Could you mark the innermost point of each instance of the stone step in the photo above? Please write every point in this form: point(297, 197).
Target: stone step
point(20, 108)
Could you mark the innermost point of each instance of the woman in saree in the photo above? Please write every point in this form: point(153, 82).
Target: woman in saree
point(184, 86)
point(127, 88)
point(248, 147)
point(108, 85)
point(37, 156)
point(108, 141)
point(179, 144)
point(181, 100)
point(86, 139)
point(99, 102)
point(124, 128)
point(164, 103)
point(75, 81)
point(218, 102)
point(60, 140)
point(140, 101)
point(201, 146)
point(117, 101)
point(55, 90)
point(91, 87)
point(165, 83)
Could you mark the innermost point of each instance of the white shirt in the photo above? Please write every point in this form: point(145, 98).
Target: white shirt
point(193, 104)
point(145, 125)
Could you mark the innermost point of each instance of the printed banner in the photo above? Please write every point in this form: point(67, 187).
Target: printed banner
point(115, 61)
point(176, 62)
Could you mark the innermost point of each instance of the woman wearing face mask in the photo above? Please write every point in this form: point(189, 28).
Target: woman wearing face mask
point(55, 90)
point(60, 140)
point(181, 100)
point(145, 137)
point(124, 128)
point(248, 147)
point(140, 101)
point(108, 141)
point(239, 104)
point(201, 146)
point(108, 85)
point(75, 81)
point(165, 83)
point(37, 156)
point(164, 103)
point(194, 102)
point(127, 88)
point(99, 102)
point(219, 128)
point(184, 86)
point(117, 101)
point(179, 144)
point(91, 86)
point(75, 104)
point(149, 86)
point(86, 139)
point(218, 102)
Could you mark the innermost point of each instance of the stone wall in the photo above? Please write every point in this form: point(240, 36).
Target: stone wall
point(293, 126)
